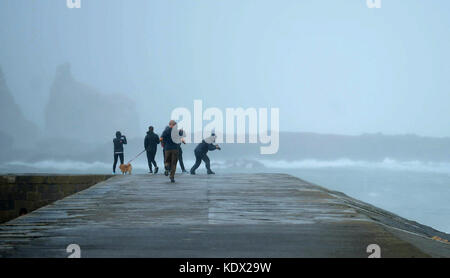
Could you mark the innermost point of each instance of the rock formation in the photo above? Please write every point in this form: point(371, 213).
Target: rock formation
point(12, 121)
point(79, 112)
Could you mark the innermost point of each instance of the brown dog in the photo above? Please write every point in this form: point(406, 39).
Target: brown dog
point(125, 168)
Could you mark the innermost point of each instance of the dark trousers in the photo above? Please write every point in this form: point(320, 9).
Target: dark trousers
point(180, 159)
point(117, 155)
point(170, 161)
point(151, 159)
point(198, 160)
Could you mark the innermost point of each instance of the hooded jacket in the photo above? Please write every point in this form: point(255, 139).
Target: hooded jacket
point(151, 141)
point(118, 142)
point(206, 145)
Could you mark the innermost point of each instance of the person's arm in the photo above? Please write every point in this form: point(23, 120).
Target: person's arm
point(182, 135)
point(157, 139)
point(146, 143)
point(212, 147)
point(124, 139)
point(161, 139)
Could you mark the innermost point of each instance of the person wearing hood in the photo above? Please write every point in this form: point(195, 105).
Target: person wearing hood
point(200, 153)
point(151, 141)
point(118, 142)
point(170, 139)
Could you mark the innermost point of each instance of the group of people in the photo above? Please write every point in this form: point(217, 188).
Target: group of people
point(171, 140)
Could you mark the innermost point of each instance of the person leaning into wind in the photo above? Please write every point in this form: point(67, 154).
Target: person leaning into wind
point(200, 153)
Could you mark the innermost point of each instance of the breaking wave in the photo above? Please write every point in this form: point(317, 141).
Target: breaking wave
point(386, 164)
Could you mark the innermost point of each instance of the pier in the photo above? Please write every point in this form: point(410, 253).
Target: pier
point(224, 215)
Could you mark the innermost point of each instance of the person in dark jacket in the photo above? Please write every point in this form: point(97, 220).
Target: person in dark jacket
point(170, 139)
point(180, 154)
point(151, 141)
point(200, 153)
point(162, 145)
point(118, 142)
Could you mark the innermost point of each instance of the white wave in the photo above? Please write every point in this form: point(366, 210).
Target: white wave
point(386, 164)
point(65, 165)
point(70, 165)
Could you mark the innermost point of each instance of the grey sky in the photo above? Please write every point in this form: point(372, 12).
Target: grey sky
point(330, 66)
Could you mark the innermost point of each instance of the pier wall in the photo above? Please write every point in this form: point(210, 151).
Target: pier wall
point(25, 193)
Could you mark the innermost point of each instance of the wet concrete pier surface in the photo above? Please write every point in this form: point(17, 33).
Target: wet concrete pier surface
point(236, 215)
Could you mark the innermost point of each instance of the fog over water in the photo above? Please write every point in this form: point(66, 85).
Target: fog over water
point(363, 94)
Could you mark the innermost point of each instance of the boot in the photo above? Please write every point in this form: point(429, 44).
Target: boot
point(211, 172)
point(156, 170)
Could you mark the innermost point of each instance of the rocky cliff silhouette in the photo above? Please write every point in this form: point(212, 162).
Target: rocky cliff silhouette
point(13, 125)
point(79, 112)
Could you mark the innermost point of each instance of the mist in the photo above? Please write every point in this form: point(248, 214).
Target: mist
point(330, 66)
point(371, 91)
point(362, 93)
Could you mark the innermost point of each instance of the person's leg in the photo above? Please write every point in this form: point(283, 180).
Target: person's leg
point(173, 166)
point(180, 159)
point(153, 154)
point(149, 161)
point(121, 158)
point(115, 162)
point(164, 158)
point(207, 164)
point(198, 160)
point(167, 160)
